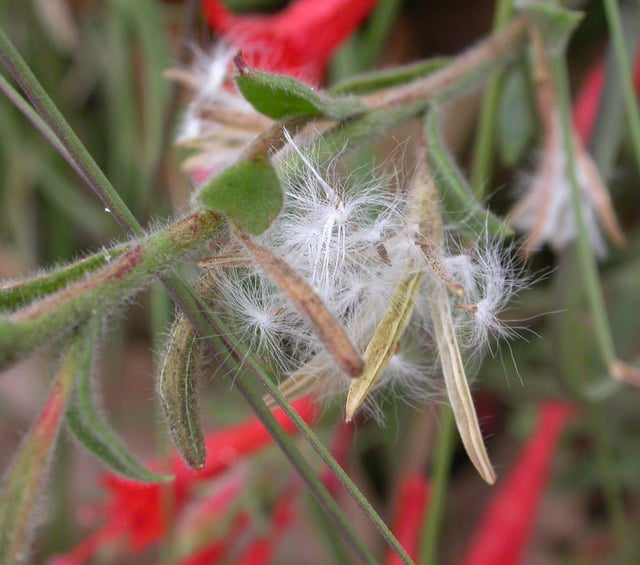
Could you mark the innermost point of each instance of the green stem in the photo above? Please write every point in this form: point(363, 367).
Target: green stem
point(588, 263)
point(469, 68)
point(27, 110)
point(362, 51)
point(591, 282)
point(433, 522)
point(483, 147)
point(106, 291)
point(377, 31)
point(210, 328)
point(606, 136)
point(625, 75)
point(14, 295)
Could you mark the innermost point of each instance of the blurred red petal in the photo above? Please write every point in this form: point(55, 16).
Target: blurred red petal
point(297, 41)
point(261, 549)
point(135, 509)
point(87, 548)
point(413, 499)
point(585, 107)
point(505, 528)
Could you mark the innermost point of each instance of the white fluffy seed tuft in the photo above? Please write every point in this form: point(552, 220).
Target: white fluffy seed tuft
point(354, 241)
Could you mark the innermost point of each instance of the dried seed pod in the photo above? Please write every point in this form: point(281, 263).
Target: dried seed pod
point(328, 329)
point(177, 390)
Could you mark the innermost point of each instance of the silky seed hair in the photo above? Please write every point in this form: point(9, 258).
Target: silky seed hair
point(353, 241)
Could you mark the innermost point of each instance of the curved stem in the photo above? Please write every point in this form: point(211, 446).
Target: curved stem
point(591, 280)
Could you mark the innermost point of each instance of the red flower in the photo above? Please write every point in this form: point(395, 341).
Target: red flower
point(585, 107)
point(505, 528)
point(259, 549)
point(214, 552)
point(413, 499)
point(135, 509)
point(297, 41)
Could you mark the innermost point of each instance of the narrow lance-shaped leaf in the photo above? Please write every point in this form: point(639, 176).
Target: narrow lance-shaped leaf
point(382, 346)
point(515, 124)
point(177, 389)
point(453, 371)
point(455, 380)
point(280, 96)
point(26, 476)
point(460, 205)
point(385, 340)
point(89, 428)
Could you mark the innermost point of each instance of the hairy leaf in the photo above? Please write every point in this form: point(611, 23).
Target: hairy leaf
point(178, 393)
point(279, 96)
point(26, 476)
point(515, 124)
point(86, 425)
point(248, 193)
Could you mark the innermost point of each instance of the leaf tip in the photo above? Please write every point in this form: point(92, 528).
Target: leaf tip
point(240, 63)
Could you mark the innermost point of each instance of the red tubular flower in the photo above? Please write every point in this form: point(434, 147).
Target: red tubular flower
point(585, 107)
point(23, 481)
point(259, 549)
point(505, 528)
point(413, 499)
point(298, 41)
point(208, 555)
point(135, 509)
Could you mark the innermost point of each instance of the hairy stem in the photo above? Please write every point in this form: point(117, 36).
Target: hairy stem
point(469, 67)
point(106, 290)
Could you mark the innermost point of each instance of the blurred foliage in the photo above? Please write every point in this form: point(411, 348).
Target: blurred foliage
point(102, 62)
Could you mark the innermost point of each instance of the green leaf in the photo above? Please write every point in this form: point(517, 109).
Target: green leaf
point(515, 123)
point(178, 393)
point(23, 482)
point(555, 22)
point(89, 428)
point(458, 200)
point(370, 82)
point(248, 193)
point(280, 97)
